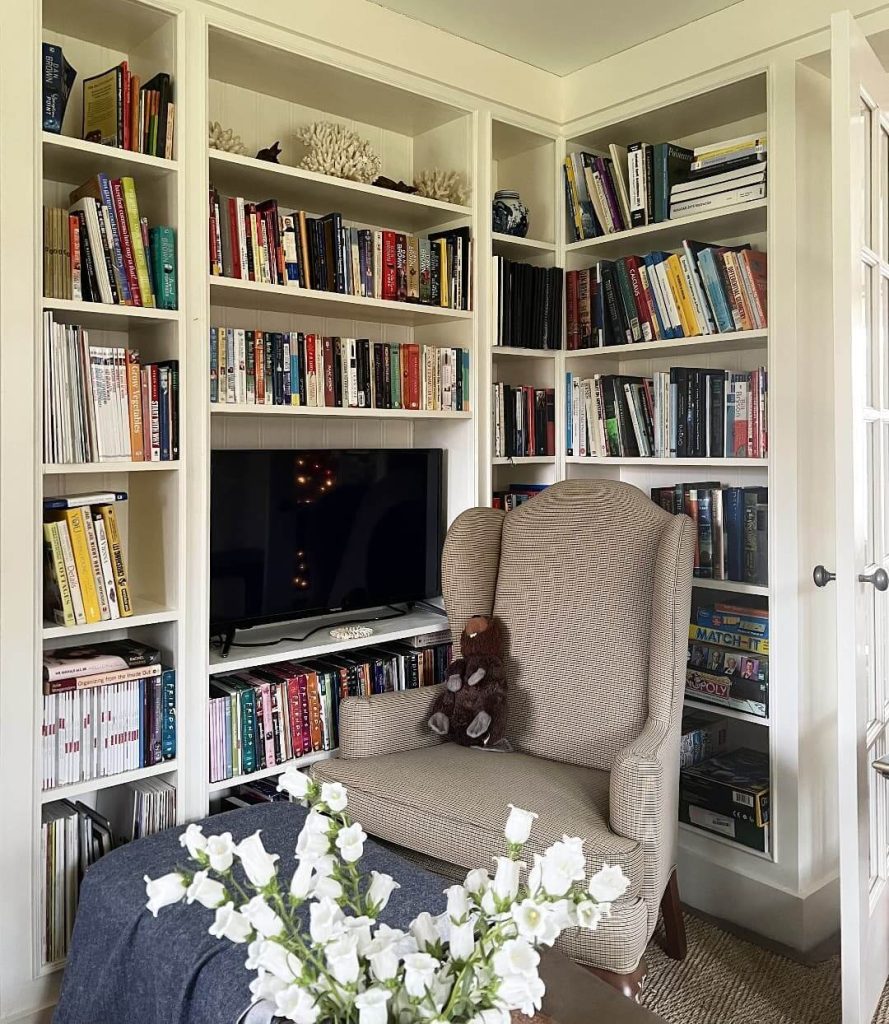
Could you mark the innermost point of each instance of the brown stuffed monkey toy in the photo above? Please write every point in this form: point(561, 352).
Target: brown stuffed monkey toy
point(471, 710)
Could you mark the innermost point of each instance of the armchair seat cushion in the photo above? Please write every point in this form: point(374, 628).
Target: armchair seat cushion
point(450, 802)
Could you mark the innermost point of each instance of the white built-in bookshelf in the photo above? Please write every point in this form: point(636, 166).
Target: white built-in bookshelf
point(265, 82)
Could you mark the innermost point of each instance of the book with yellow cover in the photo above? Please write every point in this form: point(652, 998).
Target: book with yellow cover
point(684, 302)
point(56, 592)
point(75, 519)
point(118, 562)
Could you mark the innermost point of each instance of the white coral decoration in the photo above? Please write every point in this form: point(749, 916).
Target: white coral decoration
point(472, 964)
point(446, 186)
point(225, 139)
point(337, 151)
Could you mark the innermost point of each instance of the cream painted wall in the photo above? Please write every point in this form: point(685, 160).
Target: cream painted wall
point(740, 32)
point(362, 28)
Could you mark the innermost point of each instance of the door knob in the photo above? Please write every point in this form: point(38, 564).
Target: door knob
point(879, 577)
point(822, 576)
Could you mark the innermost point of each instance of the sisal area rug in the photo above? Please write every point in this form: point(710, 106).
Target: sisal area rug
point(726, 980)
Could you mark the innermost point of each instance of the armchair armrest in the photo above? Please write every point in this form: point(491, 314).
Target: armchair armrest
point(637, 791)
point(387, 723)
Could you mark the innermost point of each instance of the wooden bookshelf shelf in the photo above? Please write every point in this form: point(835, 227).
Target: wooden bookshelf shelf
point(716, 709)
point(716, 226)
point(278, 769)
point(515, 352)
point(73, 160)
point(735, 341)
point(280, 643)
point(104, 317)
point(320, 193)
point(145, 613)
point(613, 460)
point(69, 468)
point(336, 411)
point(78, 789)
point(524, 460)
point(233, 292)
point(513, 247)
point(731, 586)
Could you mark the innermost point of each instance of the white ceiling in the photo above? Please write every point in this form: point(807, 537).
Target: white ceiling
point(558, 36)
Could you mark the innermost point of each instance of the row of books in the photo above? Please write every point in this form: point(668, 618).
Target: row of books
point(702, 290)
point(101, 249)
point(118, 110)
point(74, 836)
point(732, 526)
point(293, 368)
point(257, 242)
point(86, 577)
point(102, 404)
point(516, 495)
point(269, 715)
point(728, 795)
point(116, 727)
point(702, 737)
point(529, 305)
point(647, 183)
point(524, 421)
point(680, 413)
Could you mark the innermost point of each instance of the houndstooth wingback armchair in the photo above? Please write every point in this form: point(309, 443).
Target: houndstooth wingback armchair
point(593, 582)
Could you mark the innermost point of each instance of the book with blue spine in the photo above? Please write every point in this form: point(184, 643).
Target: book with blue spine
point(168, 723)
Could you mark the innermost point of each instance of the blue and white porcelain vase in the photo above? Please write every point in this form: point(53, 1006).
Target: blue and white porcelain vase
point(509, 215)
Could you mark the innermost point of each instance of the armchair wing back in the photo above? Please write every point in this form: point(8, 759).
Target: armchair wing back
point(592, 581)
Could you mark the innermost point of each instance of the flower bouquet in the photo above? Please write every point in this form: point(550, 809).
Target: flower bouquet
point(473, 963)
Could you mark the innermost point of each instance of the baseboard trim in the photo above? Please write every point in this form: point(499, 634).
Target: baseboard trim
point(41, 1016)
point(804, 928)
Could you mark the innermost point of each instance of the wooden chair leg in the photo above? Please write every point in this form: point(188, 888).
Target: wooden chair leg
point(629, 985)
point(674, 923)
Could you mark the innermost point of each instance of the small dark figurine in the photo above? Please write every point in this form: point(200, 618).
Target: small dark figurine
point(271, 154)
point(471, 709)
point(397, 186)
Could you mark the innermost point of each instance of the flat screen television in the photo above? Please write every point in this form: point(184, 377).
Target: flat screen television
point(297, 533)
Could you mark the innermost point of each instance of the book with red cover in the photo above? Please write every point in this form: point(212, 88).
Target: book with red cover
point(329, 388)
point(572, 310)
point(390, 283)
point(401, 268)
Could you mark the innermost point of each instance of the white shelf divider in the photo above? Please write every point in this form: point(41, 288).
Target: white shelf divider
point(78, 789)
point(723, 712)
point(276, 769)
point(733, 341)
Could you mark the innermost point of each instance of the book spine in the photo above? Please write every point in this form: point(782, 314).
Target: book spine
point(135, 229)
point(64, 614)
point(107, 571)
point(95, 565)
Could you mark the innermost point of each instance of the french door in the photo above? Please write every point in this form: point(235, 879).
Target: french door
point(860, 143)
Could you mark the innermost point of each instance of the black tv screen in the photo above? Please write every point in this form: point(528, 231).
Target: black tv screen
point(297, 533)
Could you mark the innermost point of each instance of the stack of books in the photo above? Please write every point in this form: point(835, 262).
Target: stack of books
point(732, 526)
point(257, 242)
point(524, 421)
point(269, 715)
point(297, 369)
point(516, 495)
point(702, 290)
point(722, 174)
point(86, 576)
point(107, 708)
point(153, 806)
point(101, 249)
point(596, 194)
point(728, 658)
point(256, 791)
point(119, 111)
point(647, 183)
point(680, 413)
point(529, 305)
point(102, 404)
point(72, 837)
point(729, 795)
point(702, 737)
